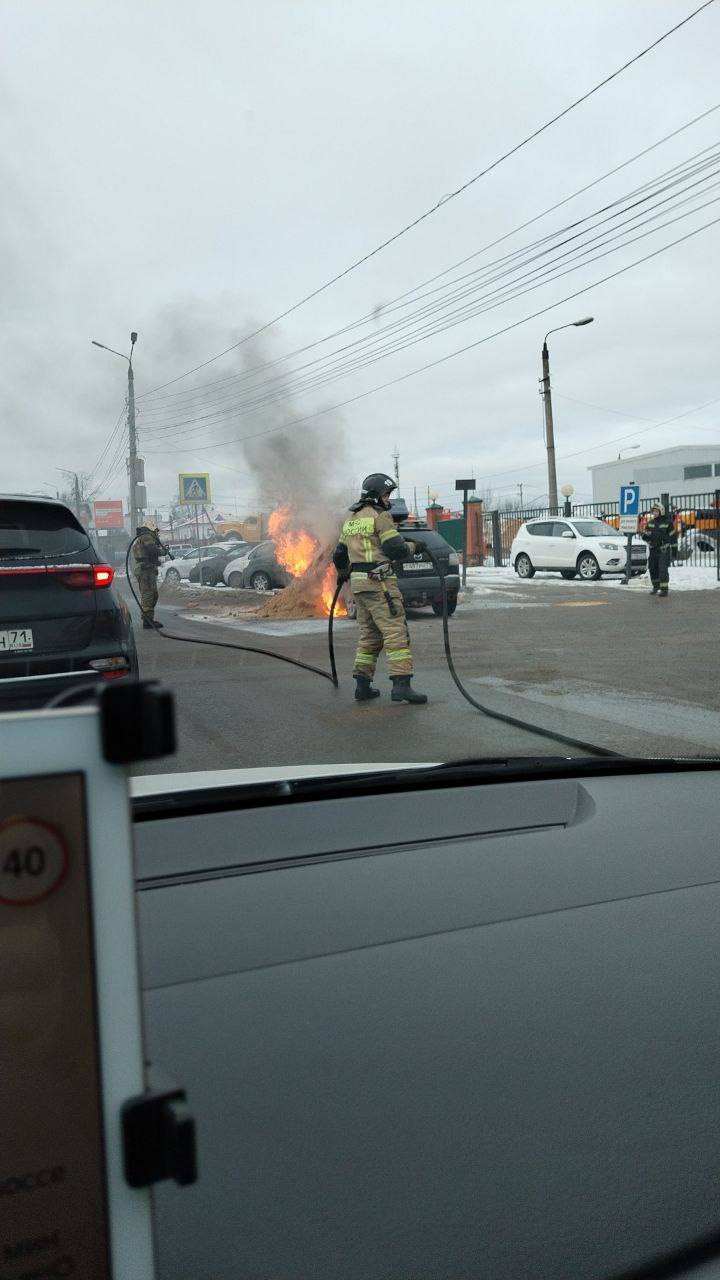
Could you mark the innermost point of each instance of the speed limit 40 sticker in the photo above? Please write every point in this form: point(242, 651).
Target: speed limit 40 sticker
point(33, 860)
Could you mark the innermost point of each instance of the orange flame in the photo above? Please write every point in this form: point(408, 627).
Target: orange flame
point(328, 591)
point(295, 548)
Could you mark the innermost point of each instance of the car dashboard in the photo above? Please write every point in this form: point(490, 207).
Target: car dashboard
point(437, 1023)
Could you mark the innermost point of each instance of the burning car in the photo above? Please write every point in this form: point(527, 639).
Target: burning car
point(257, 569)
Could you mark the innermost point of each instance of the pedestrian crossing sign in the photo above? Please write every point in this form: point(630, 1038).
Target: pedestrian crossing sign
point(194, 486)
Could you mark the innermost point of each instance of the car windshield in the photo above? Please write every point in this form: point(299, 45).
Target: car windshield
point(264, 290)
point(594, 529)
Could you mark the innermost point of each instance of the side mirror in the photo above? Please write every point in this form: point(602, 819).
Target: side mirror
point(568, 533)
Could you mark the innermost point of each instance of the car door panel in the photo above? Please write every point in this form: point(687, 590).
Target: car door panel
point(538, 543)
point(560, 551)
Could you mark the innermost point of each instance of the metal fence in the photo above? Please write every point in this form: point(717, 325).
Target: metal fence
point(697, 517)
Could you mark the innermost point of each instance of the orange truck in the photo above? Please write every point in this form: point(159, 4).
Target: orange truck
point(251, 529)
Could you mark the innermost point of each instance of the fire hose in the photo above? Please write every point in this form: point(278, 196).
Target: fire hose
point(332, 676)
point(227, 644)
point(552, 734)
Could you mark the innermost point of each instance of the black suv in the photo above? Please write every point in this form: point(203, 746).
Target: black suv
point(61, 622)
point(416, 577)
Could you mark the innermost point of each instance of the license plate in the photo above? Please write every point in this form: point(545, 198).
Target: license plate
point(422, 564)
point(16, 640)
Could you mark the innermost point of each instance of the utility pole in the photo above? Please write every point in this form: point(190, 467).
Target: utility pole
point(135, 511)
point(396, 460)
point(521, 498)
point(135, 516)
point(547, 401)
point(549, 429)
point(415, 509)
point(77, 488)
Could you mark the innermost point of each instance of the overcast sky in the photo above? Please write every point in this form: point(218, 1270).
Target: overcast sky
point(190, 171)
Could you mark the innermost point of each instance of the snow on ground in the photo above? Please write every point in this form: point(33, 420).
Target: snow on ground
point(683, 578)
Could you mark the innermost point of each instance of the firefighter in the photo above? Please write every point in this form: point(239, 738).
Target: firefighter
point(661, 535)
point(368, 544)
point(147, 550)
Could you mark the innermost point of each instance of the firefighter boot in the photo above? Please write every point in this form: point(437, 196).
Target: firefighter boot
point(364, 691)
point(663, 589)
point(402, 691)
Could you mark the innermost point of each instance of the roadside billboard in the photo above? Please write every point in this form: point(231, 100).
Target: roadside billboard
point(109, 514)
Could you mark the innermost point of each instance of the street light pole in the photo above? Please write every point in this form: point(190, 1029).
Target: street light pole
point(135, 517)
point(135, 511)
point(547, 401)
point(77, 489)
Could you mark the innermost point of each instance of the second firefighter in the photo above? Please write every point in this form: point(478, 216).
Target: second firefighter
point(661, 535)
point(369, 543)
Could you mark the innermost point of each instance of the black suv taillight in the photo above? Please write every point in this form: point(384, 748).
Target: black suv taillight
point(80, 577)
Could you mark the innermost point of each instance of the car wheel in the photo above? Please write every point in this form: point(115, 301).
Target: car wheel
point(172, 575)
point(260, 581)
point(588, 567)
point(524, 566)
point(451, 607)
point(568, 574)
point(235, 580)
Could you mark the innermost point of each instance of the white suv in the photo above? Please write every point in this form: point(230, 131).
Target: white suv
point(574, 547)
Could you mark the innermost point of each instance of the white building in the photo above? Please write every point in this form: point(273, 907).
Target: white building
point(683, 469)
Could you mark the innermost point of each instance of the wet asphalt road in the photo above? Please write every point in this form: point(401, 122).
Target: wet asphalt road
point(613, 666)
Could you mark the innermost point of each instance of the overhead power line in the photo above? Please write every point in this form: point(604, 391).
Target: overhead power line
point(369, 317)
point(116, 463)
point(615, 440)
point(290, 381)
point(109, 442)
point(452, 195)
point(520, 469)
point(451, 355)
point(539, 275)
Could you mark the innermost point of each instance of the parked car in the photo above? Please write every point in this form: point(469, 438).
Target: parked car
point(183, 565)
point(584, 548)
point(694, 543)
point(214, 566)
point(61, 622)
point(257, 569)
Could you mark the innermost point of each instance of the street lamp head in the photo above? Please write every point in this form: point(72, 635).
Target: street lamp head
point(572, 324)
point(112, 350)
point(567, 490)
point(133, 336)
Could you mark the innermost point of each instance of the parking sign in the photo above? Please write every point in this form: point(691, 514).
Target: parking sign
point(629, 508)
point(630, 500)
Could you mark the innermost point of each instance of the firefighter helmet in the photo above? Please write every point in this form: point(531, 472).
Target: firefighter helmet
point(377, 486)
